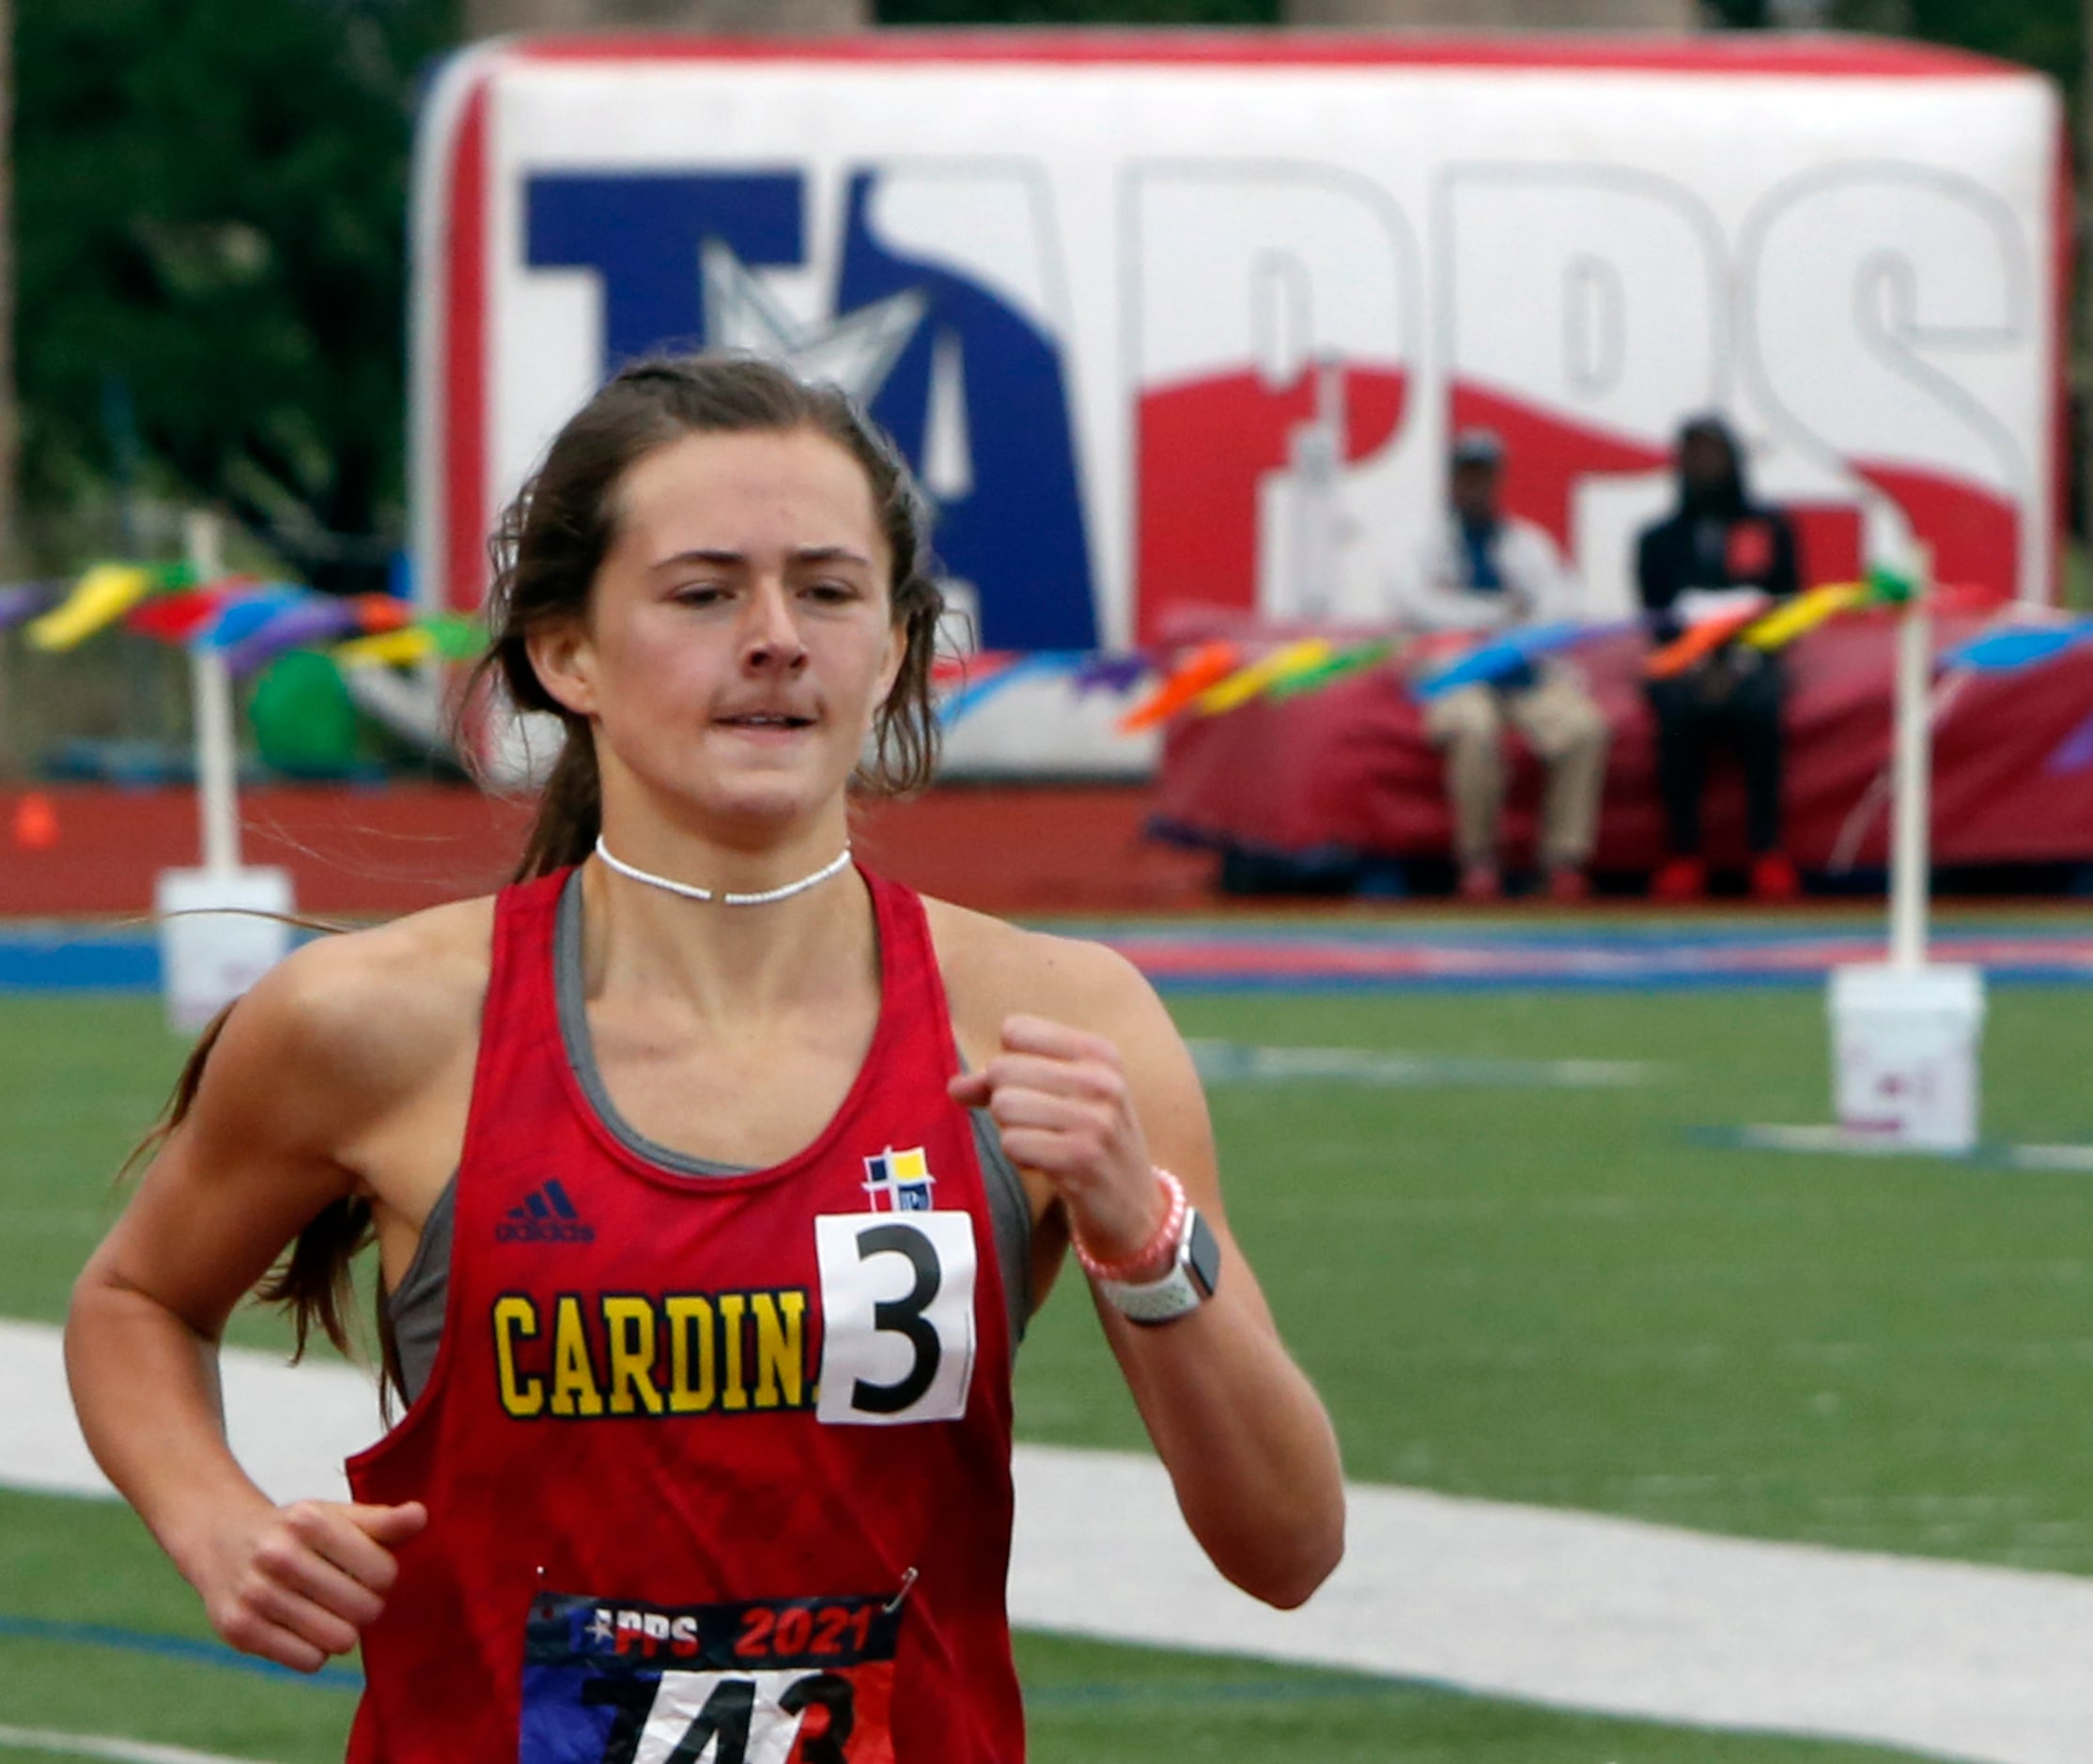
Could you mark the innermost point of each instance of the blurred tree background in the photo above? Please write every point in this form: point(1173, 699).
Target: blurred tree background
point(2045, 34)
point(210, 215)
point(210, 200)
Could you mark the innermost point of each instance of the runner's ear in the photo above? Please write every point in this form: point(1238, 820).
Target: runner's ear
point(563, 660)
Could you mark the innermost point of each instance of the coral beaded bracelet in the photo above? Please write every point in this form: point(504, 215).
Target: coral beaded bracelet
point(1153, 1257)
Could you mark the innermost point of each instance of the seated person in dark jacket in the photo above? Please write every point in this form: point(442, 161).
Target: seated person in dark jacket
point(1718, 538)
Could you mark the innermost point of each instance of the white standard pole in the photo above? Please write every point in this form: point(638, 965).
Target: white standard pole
point(211, 697)
point(1910, 860)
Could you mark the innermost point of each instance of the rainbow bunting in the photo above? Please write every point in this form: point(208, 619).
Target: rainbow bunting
point(1112, 674)
point(2074, 753)
point(1804, 612)
point(1342, 664)
point(1700, 640)
point(977, 692)
point(1208, 663)
point(303, 624)
point(99, 599)
point(242, 613)
point(175, 616)
point(1889, 587)
point(455, 637)
point(20, 602)
point(1252, 681)
point(440, 637)
point(1498, 657)
point(399, 648)
point(2023, 646)
point(381, 613)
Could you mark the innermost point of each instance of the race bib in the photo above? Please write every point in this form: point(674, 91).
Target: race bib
point(897, 1309)
point(786, 1682)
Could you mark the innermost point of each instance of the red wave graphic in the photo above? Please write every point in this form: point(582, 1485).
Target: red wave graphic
point(1204, 446)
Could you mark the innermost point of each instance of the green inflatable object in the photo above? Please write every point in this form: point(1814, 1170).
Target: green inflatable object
point(306, 723)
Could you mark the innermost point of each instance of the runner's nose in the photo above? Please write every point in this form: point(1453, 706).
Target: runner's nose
point(771, 637)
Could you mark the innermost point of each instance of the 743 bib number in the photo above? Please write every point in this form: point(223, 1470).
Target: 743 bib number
point(791, 1681)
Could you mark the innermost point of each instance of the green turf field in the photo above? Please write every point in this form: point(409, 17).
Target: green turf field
point(1540, 1295)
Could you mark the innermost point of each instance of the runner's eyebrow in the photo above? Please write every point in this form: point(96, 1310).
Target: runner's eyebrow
point(733, 559)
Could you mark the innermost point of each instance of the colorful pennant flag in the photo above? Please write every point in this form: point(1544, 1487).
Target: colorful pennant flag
point(1700, 640)
point(381, 613)
point(1781, 626)
point(1206, 665)
point(977, 692)
point(20, 602)
point(99, 599)
point(1249, 682)
point(1498, 656)
point(1345, 663)
point(1890, 587)
point(2074, 753)
point(2020, 646)
point(243, 613)
point(400, 648)
point(1118, 674)
point(301, 624)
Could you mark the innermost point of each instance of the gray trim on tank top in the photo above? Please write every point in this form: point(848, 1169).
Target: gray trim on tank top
point(416, 1306)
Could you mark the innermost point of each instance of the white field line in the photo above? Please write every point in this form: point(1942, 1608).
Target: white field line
point(1575, 1610)
point(1239, 1062)
point(107, 1745)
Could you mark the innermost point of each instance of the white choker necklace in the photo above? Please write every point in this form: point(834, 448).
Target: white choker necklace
point(833, 867)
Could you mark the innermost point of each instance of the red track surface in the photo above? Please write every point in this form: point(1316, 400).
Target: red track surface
point(385, 851)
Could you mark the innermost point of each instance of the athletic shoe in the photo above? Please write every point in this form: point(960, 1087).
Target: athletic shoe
point(1774, 878)
point(1568, 885)
point(1679, 881)
point(1480, 884)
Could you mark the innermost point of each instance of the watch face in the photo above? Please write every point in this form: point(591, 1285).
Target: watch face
point(1202, 1256)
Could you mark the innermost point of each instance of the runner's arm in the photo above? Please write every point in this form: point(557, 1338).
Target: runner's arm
point(1250, 1449)
point(236, 1180)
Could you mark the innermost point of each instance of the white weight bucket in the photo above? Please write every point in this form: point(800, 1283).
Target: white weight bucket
point(1905, 1043)
point(217, 938)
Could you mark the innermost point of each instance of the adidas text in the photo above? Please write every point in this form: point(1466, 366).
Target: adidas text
point(544, 1231)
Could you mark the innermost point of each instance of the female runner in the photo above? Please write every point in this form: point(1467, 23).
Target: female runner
point(712, 1178)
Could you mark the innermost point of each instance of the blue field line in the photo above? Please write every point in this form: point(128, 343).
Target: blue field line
point(1161, 1693)
point(1716, 980)
point(1825, 1141)
point(49, 957)
point(184, 1648)
point(68, 958)
point(1597, 933)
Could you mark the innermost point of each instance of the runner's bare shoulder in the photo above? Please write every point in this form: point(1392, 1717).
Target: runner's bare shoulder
point(352, 1024)
point(992, 967)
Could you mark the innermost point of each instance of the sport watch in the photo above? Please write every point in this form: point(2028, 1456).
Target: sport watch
point(1195, 1273)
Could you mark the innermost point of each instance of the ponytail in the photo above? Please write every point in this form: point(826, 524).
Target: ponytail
point(311, 1280)
point(569, 808)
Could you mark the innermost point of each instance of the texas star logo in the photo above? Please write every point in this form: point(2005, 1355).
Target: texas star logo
point(899, 1181)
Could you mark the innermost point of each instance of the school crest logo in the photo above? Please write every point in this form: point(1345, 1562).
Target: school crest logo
point(899, 1181)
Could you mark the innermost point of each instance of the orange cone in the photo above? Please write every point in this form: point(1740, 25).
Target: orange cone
point(36, 823)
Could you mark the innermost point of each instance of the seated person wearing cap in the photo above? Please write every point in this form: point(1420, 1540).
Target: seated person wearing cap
point(1718, 538)
point(1487, 572)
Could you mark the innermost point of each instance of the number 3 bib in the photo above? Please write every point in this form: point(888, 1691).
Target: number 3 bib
point(897, 1302)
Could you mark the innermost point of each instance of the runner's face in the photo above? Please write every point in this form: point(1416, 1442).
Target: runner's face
point(740, 636)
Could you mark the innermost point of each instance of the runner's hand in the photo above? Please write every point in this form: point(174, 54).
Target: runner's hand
point(1059, 1097)
point(298, 1582)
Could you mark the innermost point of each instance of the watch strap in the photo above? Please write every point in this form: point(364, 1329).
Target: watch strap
point(1193, 1276)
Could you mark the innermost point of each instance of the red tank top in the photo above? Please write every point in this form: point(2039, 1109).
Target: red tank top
point(717, 1468)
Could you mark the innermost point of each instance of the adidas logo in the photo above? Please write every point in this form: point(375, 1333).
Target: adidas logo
point(546, 1217)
